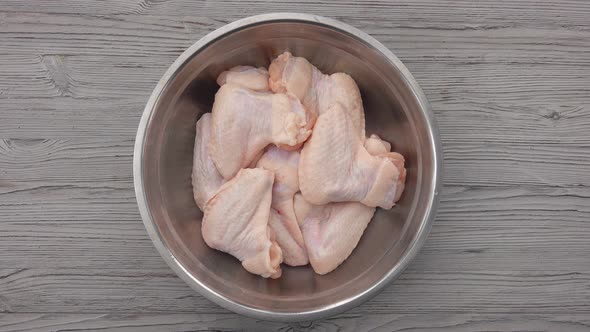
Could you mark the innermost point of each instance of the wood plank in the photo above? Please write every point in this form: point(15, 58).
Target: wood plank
point(132, 290)
point(463, 14)
point(46, 34)
point(346, 322)
point(70, 118)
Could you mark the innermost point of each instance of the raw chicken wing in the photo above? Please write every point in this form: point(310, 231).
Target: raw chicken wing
point(375, 145)
point(244, 122)
point(336, 167)
point(236, 222)
point(332, 231)
point(283, 220)
point(205, 177)
point(246, 77)
point(317, 92)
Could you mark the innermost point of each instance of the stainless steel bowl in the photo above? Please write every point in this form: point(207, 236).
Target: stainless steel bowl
point(396, 109)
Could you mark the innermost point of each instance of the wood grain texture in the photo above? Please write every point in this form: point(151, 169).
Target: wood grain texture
point(340, 323)
point(509, 83)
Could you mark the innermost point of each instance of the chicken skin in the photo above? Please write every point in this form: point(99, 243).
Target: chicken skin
point(283, 220)
point(336, 167)
point(244, 122)
point(236, 220)
point(332, 231)
point(317, 92)
point(376, 146)
point(245, 76)
point(205, 177)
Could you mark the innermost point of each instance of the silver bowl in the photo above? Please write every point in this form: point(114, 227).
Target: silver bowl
point(396, 109)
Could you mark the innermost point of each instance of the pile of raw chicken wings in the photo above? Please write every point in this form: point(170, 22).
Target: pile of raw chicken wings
point(283, 170)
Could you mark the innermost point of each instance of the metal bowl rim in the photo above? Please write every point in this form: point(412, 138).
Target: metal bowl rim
point(332, 308)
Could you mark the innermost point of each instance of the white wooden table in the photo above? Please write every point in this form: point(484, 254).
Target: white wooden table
point(509, 83)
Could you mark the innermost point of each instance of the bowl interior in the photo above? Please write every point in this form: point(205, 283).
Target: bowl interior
point(392, 112)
